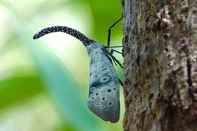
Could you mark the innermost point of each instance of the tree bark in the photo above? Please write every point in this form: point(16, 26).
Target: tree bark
point(160, 60)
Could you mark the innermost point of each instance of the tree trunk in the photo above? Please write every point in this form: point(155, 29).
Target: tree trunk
point(160, 59)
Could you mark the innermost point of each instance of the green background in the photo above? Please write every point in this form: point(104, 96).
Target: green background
point(44, 83)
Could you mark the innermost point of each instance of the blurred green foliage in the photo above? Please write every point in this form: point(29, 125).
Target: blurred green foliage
point(13, 84)
point(53, 68)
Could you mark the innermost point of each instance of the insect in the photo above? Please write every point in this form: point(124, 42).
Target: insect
point(103, 98)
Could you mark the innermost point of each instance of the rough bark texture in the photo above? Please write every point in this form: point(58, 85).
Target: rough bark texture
point(160, 59)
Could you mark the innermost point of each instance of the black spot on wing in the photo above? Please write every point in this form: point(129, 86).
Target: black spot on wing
point(109, 90)
point(104, 68)
point(95, 84)
point(105, 78)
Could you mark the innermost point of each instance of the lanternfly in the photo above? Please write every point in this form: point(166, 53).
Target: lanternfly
point(103, 99)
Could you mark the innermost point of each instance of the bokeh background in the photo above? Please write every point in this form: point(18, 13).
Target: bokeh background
point(44, 83)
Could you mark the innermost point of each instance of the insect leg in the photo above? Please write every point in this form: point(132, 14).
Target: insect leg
point(120, 81)
point(109, 31)
point(116, 61)
point(118, 46)
point(112, 50)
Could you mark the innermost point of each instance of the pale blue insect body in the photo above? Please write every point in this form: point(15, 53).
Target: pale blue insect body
point(103, 85)
point(103, 99)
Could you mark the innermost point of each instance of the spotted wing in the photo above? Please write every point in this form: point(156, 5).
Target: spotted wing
point(103, 85)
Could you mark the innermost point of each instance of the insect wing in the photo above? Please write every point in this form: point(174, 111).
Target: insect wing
point(103, 97)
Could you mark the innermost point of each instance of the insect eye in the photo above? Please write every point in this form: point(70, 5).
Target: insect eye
point(104, 79)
